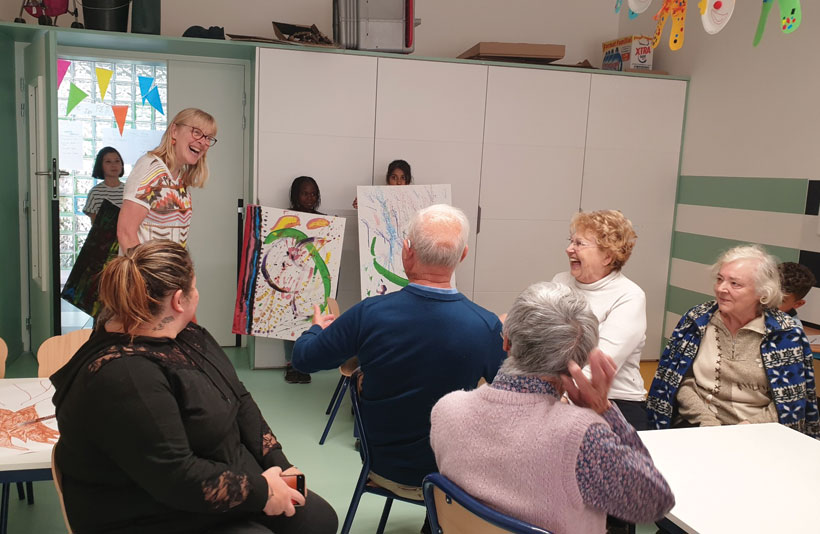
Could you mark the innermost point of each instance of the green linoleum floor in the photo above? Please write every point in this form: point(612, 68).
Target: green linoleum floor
point(296, 413)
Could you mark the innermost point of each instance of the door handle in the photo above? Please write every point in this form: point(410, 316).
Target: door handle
point(42, 173)
point(64, 173)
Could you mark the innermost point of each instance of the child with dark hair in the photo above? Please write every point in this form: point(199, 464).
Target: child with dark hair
point(398, 173)
point(304, 195)
point(797, 280)
point(107, 167)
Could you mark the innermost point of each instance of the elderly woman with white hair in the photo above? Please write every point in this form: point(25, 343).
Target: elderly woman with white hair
point(737, 359)
point(515, 446)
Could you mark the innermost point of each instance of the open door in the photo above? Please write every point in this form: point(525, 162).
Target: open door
point(43, 174)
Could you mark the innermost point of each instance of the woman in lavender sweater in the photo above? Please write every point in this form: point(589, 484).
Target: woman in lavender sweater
point(516, 447)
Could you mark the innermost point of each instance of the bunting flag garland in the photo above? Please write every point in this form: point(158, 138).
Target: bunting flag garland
point(103, 79)
point(120, 113)
point(62, 68)
point(153, 99)
point(75, 96)
point(145, 86)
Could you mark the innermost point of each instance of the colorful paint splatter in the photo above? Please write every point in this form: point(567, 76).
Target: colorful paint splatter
point(384, 213)
point(290, 262)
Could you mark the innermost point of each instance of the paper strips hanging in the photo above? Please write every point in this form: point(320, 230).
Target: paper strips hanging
point(103, 79)
point(676, 9)
point(120, 113)
point(145, 86)
point(75, 96)
point(153, 99)
point(62, 68)
point(791, 15)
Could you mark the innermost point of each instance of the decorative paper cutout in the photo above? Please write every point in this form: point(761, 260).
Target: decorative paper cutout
point(384, 213)
point(120, 113)
point(145, 86)
point(103, 79)
point(75, 96)
point(639, 6)
point(290, 262)
point(676, 9)
point(153, 99)
point(761, 22)
point(790, 15)
point(618, 6)
point(62, 68)
point(715, 14)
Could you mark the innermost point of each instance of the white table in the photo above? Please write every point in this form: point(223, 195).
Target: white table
point(743, 478)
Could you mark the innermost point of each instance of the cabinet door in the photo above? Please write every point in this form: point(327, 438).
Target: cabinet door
point(633, 150)
point(533, 162)
point(432, 115)
point(315, 117)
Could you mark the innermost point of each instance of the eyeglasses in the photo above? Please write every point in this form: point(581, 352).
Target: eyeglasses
point(578, 244)
point(198, 134)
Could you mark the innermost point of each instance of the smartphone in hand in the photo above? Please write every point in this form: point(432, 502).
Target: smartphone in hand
point(296, 482)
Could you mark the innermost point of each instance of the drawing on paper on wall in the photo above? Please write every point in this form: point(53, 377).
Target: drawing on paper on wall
point(384, 213)
point(290, 262)
point(27, 420)
point(715, 14)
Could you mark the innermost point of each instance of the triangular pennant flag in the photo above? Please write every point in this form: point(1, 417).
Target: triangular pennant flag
point(145, 86)
point(153, 99)
point(120, 113)
point(103, 78)
point(62, 68)
point(75, 96)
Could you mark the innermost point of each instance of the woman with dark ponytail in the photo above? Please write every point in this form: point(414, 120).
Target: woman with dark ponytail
point(157, 432)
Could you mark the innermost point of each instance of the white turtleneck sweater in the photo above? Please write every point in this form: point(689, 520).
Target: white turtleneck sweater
point(620, 306)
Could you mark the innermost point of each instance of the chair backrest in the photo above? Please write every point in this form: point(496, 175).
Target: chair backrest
point(453, 511)
point(333, 306)
point(4, 353)
point(57, 350)
point(364, 451)
point(57, 476)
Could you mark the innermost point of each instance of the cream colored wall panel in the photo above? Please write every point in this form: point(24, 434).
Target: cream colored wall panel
point(511, 255)
point(640, 183)
point(810, 235)
point(536, 108)
point(497, 302)
point(630, 113)
point(319, 93)
point(672, 320)
point(430, 101)
point(692, 276)
point(437, 162)
point(534, 182)
point(769, 228)
point(810, 311)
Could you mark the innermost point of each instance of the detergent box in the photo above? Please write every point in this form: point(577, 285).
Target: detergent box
point(628, 53)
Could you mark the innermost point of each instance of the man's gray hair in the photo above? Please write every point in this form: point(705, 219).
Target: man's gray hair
point(548, 326)
point(766, 276)
point(438, 235)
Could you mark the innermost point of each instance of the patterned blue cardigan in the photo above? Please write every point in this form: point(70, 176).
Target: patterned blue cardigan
point(786, 355)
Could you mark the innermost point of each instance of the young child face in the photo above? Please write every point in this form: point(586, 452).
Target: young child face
point(308, 195)
point(790, 302)
point(397, 177)
point(111, 165)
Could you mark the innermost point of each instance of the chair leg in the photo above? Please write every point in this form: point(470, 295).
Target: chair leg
point(4, 508)
point(386, 512)
point(354, 502)
point(21, 491)
point(339, 398)
point(335, 394)
point(30, 492)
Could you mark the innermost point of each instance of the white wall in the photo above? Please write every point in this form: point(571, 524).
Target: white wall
point(448, 27)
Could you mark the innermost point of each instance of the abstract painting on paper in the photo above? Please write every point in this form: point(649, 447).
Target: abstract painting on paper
point(384, 213)
point(27, 420)
point(290, 262)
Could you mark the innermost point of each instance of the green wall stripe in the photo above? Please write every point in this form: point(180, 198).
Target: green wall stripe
point(706, 249)
point(782, 195)
point(680, 300)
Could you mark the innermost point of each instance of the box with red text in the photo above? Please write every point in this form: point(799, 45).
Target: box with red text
point(628, 53)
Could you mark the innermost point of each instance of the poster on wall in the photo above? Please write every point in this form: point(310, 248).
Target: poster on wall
point(290, 262)
point(132, 144)
point(384, 213)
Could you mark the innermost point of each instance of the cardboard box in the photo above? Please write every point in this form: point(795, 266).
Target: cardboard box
point(515, 52)
point(633, 52)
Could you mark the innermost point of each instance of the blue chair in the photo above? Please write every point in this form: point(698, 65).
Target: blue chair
point(346, 369)
point(451, 510)
point(361, 485)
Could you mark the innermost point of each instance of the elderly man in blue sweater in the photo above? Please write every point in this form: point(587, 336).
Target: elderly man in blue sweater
point(414, 347)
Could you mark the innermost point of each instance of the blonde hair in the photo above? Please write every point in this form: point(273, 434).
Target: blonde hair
point(613, 233)
point(195, 175)
point(133, 286)
point(766, 275)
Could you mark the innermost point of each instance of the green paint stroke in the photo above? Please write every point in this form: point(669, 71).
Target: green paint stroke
point(393, 277)
point(706, 249)
point(780, 195)
point(321, 267)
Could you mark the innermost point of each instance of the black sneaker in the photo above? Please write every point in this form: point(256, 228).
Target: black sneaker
point(291, 375)
point(302, 378)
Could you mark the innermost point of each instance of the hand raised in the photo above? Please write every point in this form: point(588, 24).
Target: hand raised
point(591, 393)
point(280, 495)
point(322, 320)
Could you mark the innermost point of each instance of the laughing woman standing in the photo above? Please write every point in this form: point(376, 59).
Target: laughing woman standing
point(156, 201)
